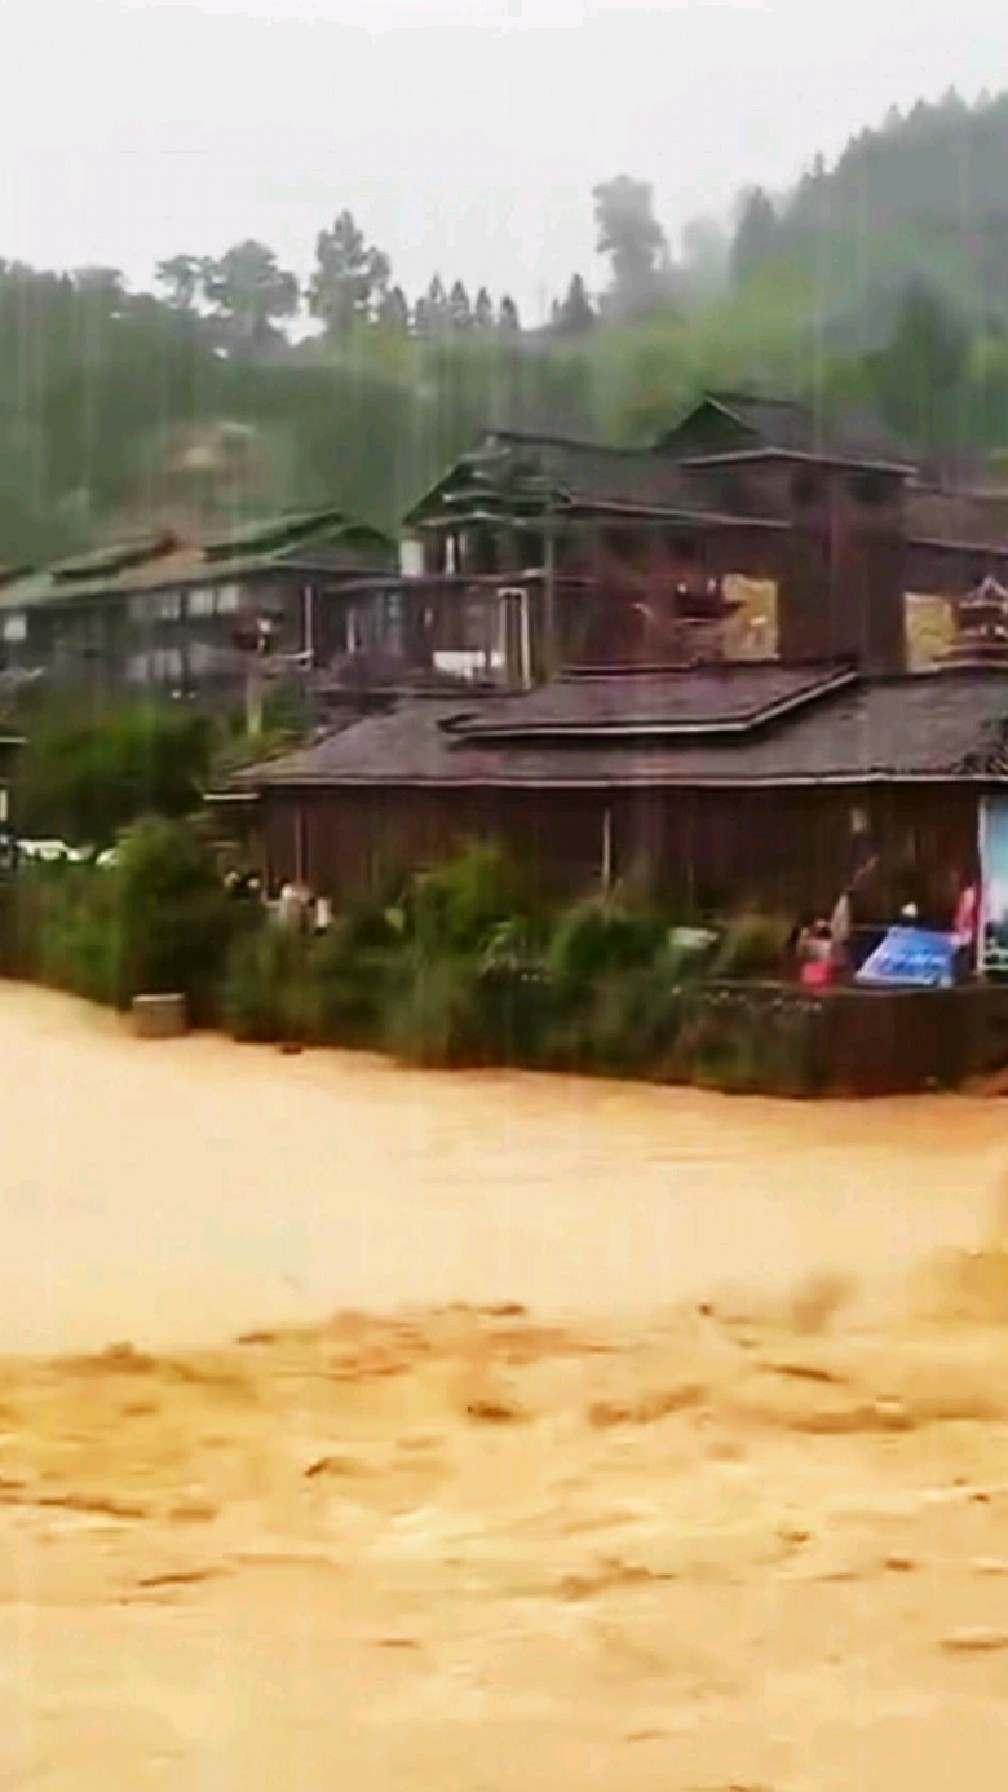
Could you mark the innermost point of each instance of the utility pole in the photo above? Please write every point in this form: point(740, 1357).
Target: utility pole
point(259, 649)
point(549, 600)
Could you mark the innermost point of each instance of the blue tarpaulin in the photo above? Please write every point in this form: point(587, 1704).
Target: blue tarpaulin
point(911, 955)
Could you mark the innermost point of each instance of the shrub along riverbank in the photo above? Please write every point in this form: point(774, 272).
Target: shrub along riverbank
point(459, 969)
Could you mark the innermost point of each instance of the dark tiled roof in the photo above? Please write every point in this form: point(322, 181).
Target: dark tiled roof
point(957, 517)
point(709, 698)
point(320, 539)
point(945, 724)
point(120, 557)
point(539, 472)
point(788, 426)
point(615, 475)
point(284, 534)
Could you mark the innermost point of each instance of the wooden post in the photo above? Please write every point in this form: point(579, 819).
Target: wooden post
point(299, 846)
point(607, 851)
point(549, 602)
point(526, 641)
point(980, 965)
point(254, 698)
point(308, 629)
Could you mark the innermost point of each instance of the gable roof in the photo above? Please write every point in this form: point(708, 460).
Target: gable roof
point(942, 726)
point(513, 473)
point(517, 473)
point(730, 698)
point(120, 557)
point(724, 422)
point(278, 534)
point(158, 562)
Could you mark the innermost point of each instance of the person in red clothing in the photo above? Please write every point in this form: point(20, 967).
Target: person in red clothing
point(965, 924)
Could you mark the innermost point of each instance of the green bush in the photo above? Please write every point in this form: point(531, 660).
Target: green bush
point(173, 916)
point(357, 969)
point(457, 905)
point(82, 779)
point(626, 1021)
point(752, 945)
point(157, 920)
point(10, 945)
point(598, 937)
point(457, 993)
point(433, 1019)
point(281, 985)
point(70, 937)
point(266, 993)
point(459, 973)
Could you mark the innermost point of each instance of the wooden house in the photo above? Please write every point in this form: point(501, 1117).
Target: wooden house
point(158, 614)
point(609, 730)
point(717, 786)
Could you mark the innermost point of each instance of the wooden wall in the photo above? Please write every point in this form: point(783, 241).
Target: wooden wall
point(841, 595)
point(716, 849)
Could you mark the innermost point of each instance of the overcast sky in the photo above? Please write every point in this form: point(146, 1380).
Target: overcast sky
point(466, 135)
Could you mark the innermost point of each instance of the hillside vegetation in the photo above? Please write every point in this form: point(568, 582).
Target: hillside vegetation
point(879, 284)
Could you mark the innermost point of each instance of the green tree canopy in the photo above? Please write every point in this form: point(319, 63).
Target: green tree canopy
point(181, 276)
point(630, 234)
point(250, 291)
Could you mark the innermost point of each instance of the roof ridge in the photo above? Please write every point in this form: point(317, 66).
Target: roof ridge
point(743, 396)
point(584, 443)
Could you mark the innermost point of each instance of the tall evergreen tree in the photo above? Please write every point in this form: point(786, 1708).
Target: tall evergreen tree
point(350, 279)
point(483, 310)
point(575, 315)
point(459, 309)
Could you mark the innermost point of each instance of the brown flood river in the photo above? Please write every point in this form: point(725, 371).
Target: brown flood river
point(641, 1536)
point(174, 1192)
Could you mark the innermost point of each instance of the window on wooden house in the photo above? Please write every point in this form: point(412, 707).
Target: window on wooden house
point(807, 488)
point(202, 660)
point(166, 665)
point(531, 549)
point(167, 606)
point(870, 489)
point(14, 627)
point(479, 551)
point(354, 626)
point(392, 621)
point(732, 492)
point(411, 556)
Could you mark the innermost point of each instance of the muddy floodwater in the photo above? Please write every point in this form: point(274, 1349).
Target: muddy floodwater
point(170, 1192)
point(378, 1430)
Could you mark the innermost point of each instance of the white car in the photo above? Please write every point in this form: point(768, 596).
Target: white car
point(51, 852)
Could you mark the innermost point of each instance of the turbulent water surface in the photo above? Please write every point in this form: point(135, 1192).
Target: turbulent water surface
point(174, 1191)
point(666, 1448)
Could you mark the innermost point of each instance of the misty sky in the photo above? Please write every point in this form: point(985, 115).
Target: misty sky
point(465, 134)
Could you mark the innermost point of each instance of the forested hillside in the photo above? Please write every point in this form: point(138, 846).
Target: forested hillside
point(880, 284)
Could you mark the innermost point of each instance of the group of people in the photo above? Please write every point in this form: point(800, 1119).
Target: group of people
point(292, 905)
point(832, 949)
point(301, 912)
